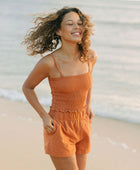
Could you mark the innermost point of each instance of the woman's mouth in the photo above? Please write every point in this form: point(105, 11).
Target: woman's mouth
point(76, 33)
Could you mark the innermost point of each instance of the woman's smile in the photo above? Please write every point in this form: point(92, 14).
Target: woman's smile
point(76, 33)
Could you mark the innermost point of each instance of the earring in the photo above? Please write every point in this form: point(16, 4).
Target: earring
point(54, 41)
point(82, 59)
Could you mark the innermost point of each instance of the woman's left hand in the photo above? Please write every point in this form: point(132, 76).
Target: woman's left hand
point(90, 112)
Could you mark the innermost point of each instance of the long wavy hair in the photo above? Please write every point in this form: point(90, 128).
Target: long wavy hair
point(42, 37)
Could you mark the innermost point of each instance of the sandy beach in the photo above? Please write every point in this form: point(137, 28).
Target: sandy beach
point(115, 144)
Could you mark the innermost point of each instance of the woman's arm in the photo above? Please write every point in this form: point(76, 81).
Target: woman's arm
point(40, 72)
point(88, 101)
point(93, 60)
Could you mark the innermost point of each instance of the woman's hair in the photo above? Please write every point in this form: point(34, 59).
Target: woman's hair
point(42, 37)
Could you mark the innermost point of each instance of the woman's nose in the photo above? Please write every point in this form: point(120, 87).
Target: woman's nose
point(75, 25)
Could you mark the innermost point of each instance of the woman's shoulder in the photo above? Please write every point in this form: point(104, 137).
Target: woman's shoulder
point(45, 65)
point(47, 61)
point(93, 56)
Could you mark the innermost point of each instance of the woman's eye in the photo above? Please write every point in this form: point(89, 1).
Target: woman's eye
point(73, 24)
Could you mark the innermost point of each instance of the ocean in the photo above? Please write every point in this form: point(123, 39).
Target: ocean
point(116, 75)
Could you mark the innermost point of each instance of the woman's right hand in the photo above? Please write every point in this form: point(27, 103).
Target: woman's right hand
point(48, 123)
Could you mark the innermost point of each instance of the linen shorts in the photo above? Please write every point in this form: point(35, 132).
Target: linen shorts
point(71, 134)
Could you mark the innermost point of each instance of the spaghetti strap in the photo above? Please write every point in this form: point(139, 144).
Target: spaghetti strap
point(89, 64)
point(57, 65)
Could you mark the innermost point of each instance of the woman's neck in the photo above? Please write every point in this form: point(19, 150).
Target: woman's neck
point(70, 50)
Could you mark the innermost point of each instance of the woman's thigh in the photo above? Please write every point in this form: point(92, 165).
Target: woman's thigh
point(81, 161)
point(65, 163)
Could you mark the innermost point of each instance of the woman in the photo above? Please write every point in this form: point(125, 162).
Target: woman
point(68, 68)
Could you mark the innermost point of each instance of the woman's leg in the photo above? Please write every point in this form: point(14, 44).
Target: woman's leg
point(65, 163)
point(81, 161)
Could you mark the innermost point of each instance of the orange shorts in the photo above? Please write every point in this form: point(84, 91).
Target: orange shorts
point(71, 134)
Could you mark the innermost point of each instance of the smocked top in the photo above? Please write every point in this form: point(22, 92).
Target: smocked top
point(69, 93)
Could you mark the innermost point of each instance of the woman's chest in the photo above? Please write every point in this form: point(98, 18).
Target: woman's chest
point(71, 83)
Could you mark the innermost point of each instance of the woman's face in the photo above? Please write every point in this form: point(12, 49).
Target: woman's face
point(71, 28)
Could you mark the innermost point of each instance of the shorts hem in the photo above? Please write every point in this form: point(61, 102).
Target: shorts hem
point(59, 155)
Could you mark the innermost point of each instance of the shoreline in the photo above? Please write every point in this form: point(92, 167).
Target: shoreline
point(115, 144)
